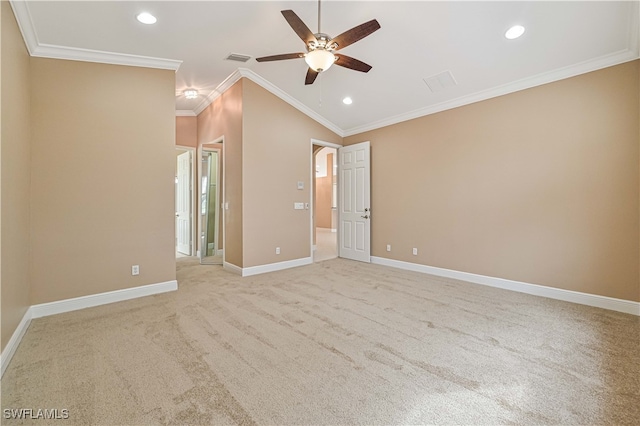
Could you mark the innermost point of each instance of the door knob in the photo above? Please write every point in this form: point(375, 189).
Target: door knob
point(365, 216)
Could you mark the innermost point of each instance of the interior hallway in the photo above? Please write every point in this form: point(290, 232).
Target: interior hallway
point(326, 245)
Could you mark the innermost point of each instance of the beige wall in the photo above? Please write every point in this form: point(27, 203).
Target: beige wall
point(187, 131)
point(98, 205)
point(540, 186)
point(277, 154)
point(224, 118)
point(14, 158)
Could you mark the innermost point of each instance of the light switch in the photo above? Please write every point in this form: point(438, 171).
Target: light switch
point(298, 206)
point(300, 184)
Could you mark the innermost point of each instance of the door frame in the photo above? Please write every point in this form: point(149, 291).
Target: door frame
point(312, 211)
point(221, 191)
point(193, 231)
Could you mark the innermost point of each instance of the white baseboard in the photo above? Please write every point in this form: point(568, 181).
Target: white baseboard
point(271, 267)
point(604, 302)
point(232, 268)
point(68, 305)
point(13, 343)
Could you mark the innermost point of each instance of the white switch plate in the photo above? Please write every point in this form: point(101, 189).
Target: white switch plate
point(388, 247)
point(298, 206)
point(277, 250)
point(300, 184)
point(135, 270)
point(415, 251)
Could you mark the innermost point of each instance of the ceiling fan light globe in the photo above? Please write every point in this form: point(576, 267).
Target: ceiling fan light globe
point(319, 60)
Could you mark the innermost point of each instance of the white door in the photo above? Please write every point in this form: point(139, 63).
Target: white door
point(354, 206)
point(183, 204)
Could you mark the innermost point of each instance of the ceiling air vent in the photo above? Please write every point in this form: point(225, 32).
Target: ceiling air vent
point(440, 81)
point(237, 57)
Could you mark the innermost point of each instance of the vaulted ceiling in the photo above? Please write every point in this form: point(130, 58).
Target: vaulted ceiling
point(418, 40)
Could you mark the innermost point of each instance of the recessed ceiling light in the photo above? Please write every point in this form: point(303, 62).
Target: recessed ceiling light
point(146, 18)
point(190, 93)
point(514, 32)
point(347, 101)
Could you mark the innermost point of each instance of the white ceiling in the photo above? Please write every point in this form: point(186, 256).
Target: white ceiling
point(418, 39)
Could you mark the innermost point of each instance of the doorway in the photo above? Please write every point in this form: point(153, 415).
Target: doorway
point(184, 226)
point(210, 208)
point(325, 200)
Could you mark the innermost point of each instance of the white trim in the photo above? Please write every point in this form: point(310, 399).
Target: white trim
point(271, 267)
point(185, 113)
point(232, 268)
point(270, 87)
point(89, 55)
point(14, 342)
point(604, 302)
point(25, 23)
point(260, 81)
point(325, 144)
point(68, 305)
point(43, 50)
point(525, 83)
point(218, 91)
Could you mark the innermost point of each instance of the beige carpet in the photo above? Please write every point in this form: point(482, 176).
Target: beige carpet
point(336, 342)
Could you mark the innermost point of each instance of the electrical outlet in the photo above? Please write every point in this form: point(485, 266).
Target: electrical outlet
point(135, 270)
point(277, 250)
point(388, 247)
point(415, 251)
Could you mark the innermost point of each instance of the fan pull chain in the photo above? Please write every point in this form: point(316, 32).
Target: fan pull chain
point(318, 15)
point(320, 83)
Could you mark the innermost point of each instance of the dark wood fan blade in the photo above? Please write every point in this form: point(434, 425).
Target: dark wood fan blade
point(355, 34)
point(298, 26)
point(280, 57)
point(352, 63)
point(311, 76)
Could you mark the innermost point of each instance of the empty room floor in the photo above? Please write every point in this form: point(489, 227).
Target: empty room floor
point(336, 342)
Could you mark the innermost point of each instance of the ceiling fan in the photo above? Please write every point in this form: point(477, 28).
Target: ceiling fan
point(321, 47)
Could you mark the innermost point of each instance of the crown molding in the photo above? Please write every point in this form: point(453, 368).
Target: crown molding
point(37, 49)
point(185, 113)
point(262, 82)
point(605, 61)
point(218, 91)
point(42, 50)
point(25, 23)
point(270, 87)
point(88, 55)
